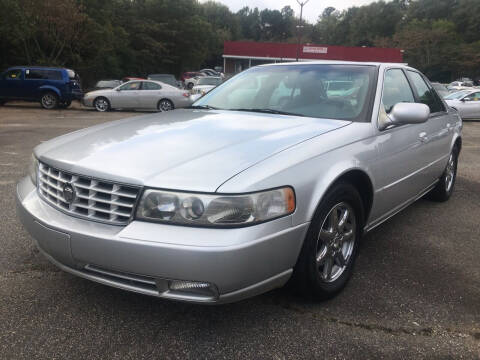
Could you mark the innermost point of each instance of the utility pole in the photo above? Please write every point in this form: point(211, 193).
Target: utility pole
point(300, 26)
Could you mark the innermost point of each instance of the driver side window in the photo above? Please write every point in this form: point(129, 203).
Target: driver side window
point(131, 86)
point(473, 97)
point(396, 89)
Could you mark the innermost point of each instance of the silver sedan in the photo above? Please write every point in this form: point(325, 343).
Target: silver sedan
point(138, 94)
point(265, 179)
point(466, 102)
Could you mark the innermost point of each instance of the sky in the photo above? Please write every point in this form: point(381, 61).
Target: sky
point(311, 10)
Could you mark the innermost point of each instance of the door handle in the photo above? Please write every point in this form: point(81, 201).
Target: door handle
point(423, 137)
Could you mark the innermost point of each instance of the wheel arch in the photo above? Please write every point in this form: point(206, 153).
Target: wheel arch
point(48, 88)
point(360, 179)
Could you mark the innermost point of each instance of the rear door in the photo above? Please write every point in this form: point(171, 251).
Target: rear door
point(149, 95)
point(436, 134)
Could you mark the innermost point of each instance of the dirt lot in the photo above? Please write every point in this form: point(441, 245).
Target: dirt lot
point(415, 292)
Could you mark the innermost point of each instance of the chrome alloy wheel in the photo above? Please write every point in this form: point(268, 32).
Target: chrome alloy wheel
point(335, 242)
point(165, 105)
point(450, 173)
point(101, 104)
point(48, 101)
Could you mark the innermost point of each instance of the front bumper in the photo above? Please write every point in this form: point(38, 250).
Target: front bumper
point(143, 257)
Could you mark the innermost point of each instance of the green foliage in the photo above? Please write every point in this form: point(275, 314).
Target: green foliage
point(116, 38)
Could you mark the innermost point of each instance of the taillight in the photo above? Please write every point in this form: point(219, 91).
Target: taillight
point(186, 94)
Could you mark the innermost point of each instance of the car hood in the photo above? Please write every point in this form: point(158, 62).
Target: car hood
point(195, 150)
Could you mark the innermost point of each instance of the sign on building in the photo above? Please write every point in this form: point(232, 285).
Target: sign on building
point(315, 50)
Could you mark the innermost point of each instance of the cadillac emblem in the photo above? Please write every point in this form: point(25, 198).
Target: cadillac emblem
point(68, 193)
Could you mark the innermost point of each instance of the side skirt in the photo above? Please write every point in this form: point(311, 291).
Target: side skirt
point(403, 206)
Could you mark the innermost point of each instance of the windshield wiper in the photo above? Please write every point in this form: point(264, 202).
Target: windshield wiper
point(204, 107)
point(268, 111)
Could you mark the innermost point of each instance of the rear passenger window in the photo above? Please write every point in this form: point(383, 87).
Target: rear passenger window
point(425, 93)
point(40, 74)
point(396, 89)
point(150, 86)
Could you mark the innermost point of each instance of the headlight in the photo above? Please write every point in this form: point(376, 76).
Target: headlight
point(33, 169)
point(215, 210)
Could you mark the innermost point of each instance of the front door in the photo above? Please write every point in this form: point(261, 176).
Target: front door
point(400, 152)
point(470, 107)
point(127, 95)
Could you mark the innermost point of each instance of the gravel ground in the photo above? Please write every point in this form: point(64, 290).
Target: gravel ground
point(415, 292)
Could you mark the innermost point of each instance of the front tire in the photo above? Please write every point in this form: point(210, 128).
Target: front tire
point(49, 100)
point(165, 105)
point(444, 188)
point(101, 104)
point(328, 254)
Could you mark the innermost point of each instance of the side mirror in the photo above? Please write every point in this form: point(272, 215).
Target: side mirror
point(405, 113)
point(466, 99)
point(118, 89)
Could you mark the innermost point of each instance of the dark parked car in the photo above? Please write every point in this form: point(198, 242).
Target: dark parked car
point(166, 79)
point(53, 87)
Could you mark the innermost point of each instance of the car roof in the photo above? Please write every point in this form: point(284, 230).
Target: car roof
point(339, 62)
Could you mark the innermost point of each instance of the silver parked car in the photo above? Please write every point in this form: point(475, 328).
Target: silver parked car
point(466, 102)
point(138, 94)
point(265, 179)
point(205, 84)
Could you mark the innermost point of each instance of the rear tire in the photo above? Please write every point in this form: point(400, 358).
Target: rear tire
point(328, 254)
point(189, 86)
point(101, 104)
point(49, 100)
point(165, 105)
point(445, 186)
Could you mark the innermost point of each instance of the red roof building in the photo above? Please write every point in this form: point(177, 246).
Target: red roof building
point(240, 55)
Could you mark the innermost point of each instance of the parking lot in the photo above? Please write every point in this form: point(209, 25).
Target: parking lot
point(415, 292)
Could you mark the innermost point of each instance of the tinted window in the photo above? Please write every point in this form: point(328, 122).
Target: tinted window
point(296, 90)
point(151, 86)
point(425, 93)
point(396, 89)
point(131, 86)
point(40, 74)
point(14, 74)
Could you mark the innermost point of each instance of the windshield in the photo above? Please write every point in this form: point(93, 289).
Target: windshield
point(456, 95)
point(301, 90)
point(208, 81)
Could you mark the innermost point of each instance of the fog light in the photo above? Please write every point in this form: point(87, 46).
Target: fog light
point(193, 288)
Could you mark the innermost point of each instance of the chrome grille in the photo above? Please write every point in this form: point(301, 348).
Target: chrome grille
point(94, 199)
